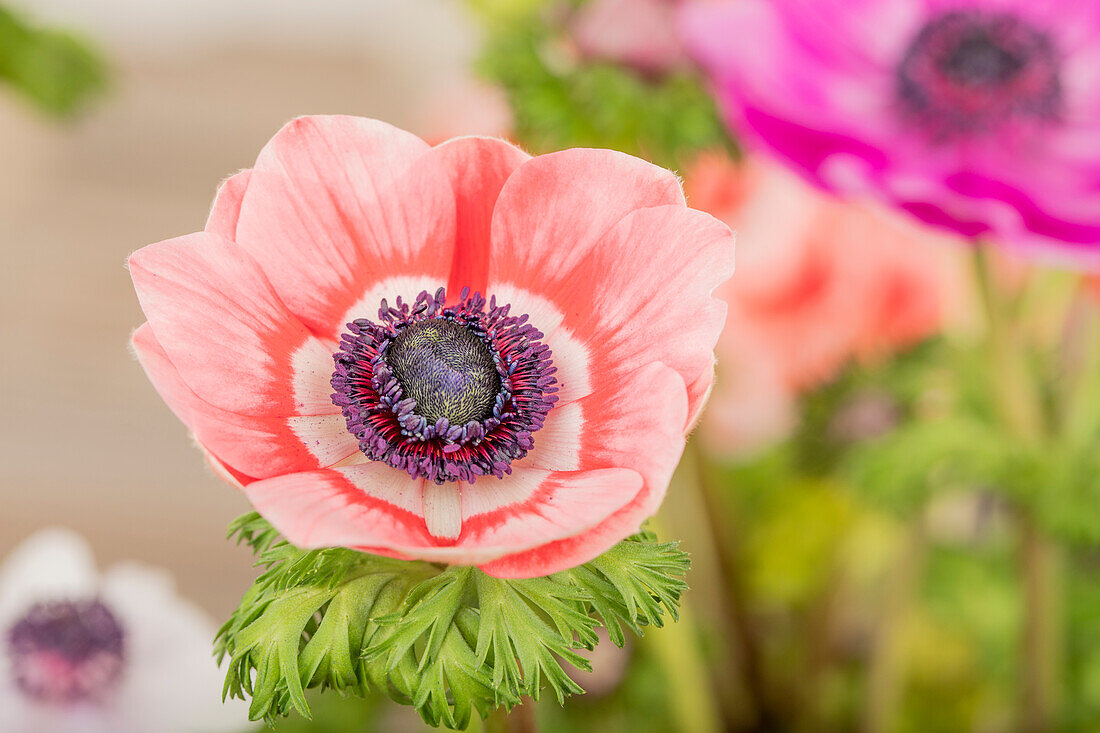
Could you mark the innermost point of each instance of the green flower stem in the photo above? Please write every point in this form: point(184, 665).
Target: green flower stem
point(885, 677)
point(1017, 398)
point(692, 702)
point(1042, 640)
point(1015, 392)
point(712, 529)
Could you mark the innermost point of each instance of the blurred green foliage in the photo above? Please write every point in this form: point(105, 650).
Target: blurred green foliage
point(56, 70)
point(559, 101)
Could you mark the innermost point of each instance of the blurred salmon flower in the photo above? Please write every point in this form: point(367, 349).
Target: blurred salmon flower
point(818, 282)
point(120, 652)
point(457, 353)
point(981, 116)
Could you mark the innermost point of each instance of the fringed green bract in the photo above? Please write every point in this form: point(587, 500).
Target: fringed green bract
point(446, 640)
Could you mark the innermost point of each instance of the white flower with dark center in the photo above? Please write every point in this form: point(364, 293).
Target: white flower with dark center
point(117, 652)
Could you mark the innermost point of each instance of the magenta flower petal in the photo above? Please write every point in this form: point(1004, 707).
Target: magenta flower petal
point(980, 116)
point(461, 354)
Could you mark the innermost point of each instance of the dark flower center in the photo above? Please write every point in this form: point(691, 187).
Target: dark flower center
point(448, 370)
point(65, 651)
point(970, 71)
point(445, 392)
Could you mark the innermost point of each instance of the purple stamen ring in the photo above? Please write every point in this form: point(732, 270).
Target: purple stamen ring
point(448, 393)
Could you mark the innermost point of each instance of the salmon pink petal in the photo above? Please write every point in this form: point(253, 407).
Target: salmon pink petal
point(648, 282)
point(359, 506)
point(227, 206)
point(341, 150)
point(563, 554)
point(556, 505)
point(651, 404)
point(555, 207)
point(255, 445)
point(226, 331)
point(333, 208)
point(478, 168)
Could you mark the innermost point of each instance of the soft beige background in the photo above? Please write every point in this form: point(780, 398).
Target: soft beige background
point(198, 87)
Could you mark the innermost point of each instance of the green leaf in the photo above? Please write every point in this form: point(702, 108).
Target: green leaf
point(525, 624)
point(448, 641)
point(634, 584)
point(54, 69)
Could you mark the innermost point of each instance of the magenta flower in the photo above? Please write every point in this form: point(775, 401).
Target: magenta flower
point(982, 116)
point(457, 353)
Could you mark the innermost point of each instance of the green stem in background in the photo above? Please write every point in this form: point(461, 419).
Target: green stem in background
point(1016, 397)
point(885, 673)
point(1042, 633)
point(693, 706)
point(1015, 394)
point(713, 530)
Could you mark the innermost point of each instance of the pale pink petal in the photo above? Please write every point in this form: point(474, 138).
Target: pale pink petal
point(558, 442)
point(227, 205)
point(534, 507)
point(369, 505)
point(555, 207)
point(259, 446)
point(340, 149)
point(753, 406)
point(637, 420)
point(333, 207)
point(224, 328)
point(647, 282)
point(478, 168)
point(556, 505)
point(570, 354)
point(636, 33)
point(635, 426)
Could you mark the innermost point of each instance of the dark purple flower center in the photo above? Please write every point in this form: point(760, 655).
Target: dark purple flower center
point(66, 651)
point(444, 392)
point(969, 71)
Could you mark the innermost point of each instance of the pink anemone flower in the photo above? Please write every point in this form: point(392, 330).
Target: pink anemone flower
point(981, 116)
point(457, 353)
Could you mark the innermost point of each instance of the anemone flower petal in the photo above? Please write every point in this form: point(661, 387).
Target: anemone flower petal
point(226, 210)
point(167, 638)
point(478, 167)
point(324, 244)
point(657, 470)
point(229, 335)
point(257, 445)
point(51, 563)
